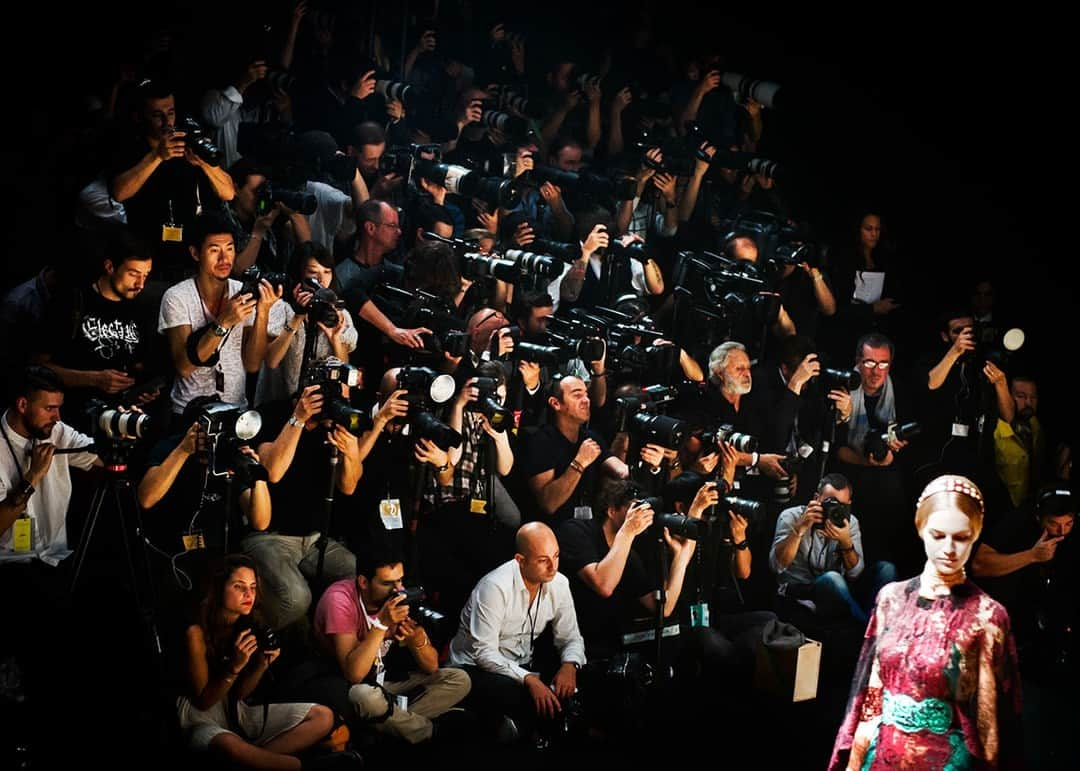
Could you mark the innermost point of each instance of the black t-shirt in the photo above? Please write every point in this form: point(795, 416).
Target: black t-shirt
point(84, 331)
point(386, 477)
point(548, 450)
point(601, 620)
point(298, 498)
point(797, 294)
point(175, 181)
point(194, 502)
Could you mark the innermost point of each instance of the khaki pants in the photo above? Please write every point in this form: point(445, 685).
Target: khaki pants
point(442, 690)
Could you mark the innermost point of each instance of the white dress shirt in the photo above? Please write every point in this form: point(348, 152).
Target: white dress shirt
point(499, 624)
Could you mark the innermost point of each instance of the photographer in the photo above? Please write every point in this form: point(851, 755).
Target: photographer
point(611, 584)
point(564, 460)
point(162, 181)
point(1019, 443)
point(963, 396)
point(215, 326)
point(271, 238)
point(35, 485)
point(98, 338)
point(295, 449)
point(817, 556)
point(289, 326)
point(246, 99)
point(654, 210)
point(186, 501)
point(357, 622)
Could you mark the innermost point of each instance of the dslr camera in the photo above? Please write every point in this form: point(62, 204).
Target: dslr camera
point(332, 376)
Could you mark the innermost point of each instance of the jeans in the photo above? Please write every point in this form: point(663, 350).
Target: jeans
point(835, 595)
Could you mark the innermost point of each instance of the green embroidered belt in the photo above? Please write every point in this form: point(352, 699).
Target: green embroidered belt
point(910, 715)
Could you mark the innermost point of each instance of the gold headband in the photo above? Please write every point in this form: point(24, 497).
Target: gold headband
point(952, 483)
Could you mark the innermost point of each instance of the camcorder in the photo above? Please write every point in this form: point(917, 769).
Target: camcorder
point(877, 445)
point(332, 376)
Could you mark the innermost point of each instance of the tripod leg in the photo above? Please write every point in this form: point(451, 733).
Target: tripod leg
point(88, 531)
point(145, 608)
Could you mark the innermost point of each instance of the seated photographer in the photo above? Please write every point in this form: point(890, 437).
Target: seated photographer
point(162, 181)
point(357, 623)
point(98, 339)
point(216, 325)
point(189, 510)
point(817, 556)
point(564, 461)
point(718, 630)
point(405, 438)
point(1029, 564)
point(609, 578)
point(298, 438)
point(303, 309)
point(508, 609)
point(270, 236)
point(869, 448)
point(228, 654)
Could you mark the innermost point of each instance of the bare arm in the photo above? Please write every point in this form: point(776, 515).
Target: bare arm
point(552, 492)
point(990, 563)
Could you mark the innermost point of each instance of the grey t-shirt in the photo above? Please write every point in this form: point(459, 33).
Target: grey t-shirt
point(181, 304)
point(816, 555)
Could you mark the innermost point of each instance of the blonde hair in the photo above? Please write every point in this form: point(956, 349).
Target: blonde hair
point(951, 491)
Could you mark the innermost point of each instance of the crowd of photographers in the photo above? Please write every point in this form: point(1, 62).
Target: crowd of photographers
point(542, 338)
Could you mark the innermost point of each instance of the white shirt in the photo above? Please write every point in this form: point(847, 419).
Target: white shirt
point(48, 506)
point(498, 627)
point(283, 382)
point(331, 217)
point(181, 304)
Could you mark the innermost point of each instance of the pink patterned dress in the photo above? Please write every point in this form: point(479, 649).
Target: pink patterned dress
point(936, 686)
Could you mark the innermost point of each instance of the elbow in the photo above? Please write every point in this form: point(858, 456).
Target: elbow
point(145, 498)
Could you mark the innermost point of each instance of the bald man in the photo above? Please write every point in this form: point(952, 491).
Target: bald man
point(507, 610)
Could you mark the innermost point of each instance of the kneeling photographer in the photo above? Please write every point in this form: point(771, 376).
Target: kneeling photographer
point(817, 555)
point(308, 446)
point(192, 480)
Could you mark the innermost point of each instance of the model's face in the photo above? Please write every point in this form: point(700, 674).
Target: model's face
point(240, 591)
point(874, 365)
point(127, 280)
point(216, 256)
point(948, 537)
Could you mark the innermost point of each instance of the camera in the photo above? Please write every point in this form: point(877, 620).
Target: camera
point(515, 265)
point(196, 140)
point(324, 305)
point(115, 424)
point(877, 445)
point(392, 90)
point(679, 525)
point(584, 183)
point(845, 379)
point(428, 618)
point(267, 194)
point(639, 416)
point(726, 433)
point(251, 278)
point(222, 419)
point(332, 376)
point(511, 100)
point(549, 355)
point(266, 637)
point(744, 87)
point(835, 512)
point(494, 191)
point(424, 425)
point(559, 250)
point(425, 385)
point(488, 404)
point(748, 163)
point(511, 125)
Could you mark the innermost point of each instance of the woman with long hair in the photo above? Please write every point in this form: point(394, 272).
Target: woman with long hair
point(936, 686)
point(225, 664)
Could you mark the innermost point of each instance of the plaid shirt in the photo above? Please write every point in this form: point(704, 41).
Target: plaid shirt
point(465, 483)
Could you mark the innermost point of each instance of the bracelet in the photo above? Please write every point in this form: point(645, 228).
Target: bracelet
point(376, 624)
point(743, 544)
point(845, 551)
point(576, 466)
point(290, 330)
point(443, 467)
point(427, 642)
point(754, 458)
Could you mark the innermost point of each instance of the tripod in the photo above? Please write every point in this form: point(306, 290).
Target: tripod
point(116, 486)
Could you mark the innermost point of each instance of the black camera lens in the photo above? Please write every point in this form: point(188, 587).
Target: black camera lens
point(427, 426)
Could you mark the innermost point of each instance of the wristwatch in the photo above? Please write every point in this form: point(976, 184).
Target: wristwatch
point(219, 330)
point(293, 421)
point(376, 624)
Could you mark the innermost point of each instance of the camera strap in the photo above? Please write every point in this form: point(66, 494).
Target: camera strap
point(11, 449)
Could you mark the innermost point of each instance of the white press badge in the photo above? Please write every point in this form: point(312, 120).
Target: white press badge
point(960, 429)
point(583, 512)
point(390, 512)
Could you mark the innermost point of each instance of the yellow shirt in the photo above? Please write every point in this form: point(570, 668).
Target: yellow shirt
point(1012, 460)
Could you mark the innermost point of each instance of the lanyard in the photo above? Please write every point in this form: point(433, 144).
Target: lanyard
point(11, 447)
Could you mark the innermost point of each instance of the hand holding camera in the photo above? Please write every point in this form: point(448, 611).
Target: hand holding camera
point(394, 610)
point(170, 145)
point(638, 519)
point(707, 495)
point(963, 343)
point(237, 309)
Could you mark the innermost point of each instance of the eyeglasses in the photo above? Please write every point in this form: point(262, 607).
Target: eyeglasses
point(872, 365)
point(394, 225)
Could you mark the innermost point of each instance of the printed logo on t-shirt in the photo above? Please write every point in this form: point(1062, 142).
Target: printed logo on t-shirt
point(108, 338)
